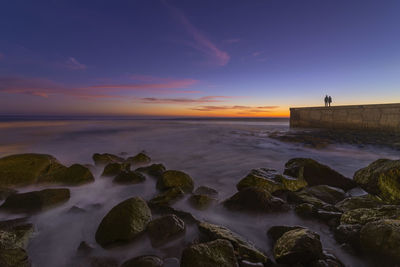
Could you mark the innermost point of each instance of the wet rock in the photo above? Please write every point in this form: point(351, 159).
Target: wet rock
point(328, 194)
point(12, 255)
point(304, 210)
point(124, 222)
point(164, 229)
point(171, 179)
point(113, 169)
point(205, 190)
point(348, 233)
point(106, 158)
point(100, 262)
point(35, 201)
point(218, 253)
point(144, 261)
point(275, 232)
point(262, 179)
point(140, 158)
point(250, 264)
point(155, 170)
point(365, 201)
point(317, 174)
point(382, 178)
point(244, 249)
point(27, 169)
point(254, 200)
point(290, 183)
point(201, 202)
point(298, 246)
point(365, 215)
point(185, 216)
point(20, 228)
point(5, 192)
point(129, 177)
point(305, 197)
point(76, 174)
point(382, 238)
point(167, 198)
point(171, 262)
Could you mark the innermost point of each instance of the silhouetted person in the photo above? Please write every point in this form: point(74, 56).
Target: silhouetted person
point(329, 100)
point(326, 100)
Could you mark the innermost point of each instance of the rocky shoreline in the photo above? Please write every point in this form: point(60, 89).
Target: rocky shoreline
point(367, 226)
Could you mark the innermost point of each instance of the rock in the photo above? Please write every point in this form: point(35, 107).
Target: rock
point(84, 249)
point(382, 178)
point(244, 249)
point(12, 255)
point(328, 194)
point(205, 190)
point(5, 192)
point(201, 202)
point(290, 183)
point(140, 158)
point(100, 262)
point(187, 217)
point(76, 174)
point(365, 201)
point(144, 261)
point(163, 229)
point(250, 264)
point(167, 198)
point(129, 177)
point(20, 228)
point(348, 233)
point(171, 262)
point(298, 246)
point(305, 197)
point(171, 179)
point(106, 158)
point(304, 210)
point(275, 232)
point(363, 215)
point(155, 170)
point(254, 200)
point(124, 222)
point(382, 238)
point(317, 174)
point(35, 201)
point(218, 253)
point(113, 169)
point(27, 169)
point(262, 179)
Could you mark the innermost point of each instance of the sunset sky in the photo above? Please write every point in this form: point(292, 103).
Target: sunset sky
point(196, 58)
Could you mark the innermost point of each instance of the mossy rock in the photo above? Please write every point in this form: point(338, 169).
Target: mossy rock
point(290, 183)
point(124, 222)
point(262, 179)
point(129, 177)
point(357, 202)
point(218, 253)
point(11, 254)
point(348, 233)
point(275, 232)
point(35, 201)
point(328, 194)
point(365, 215)
point(76, 174)
point(298, 246)
point(165, 229)
point(155, 170)
point(315, 173)
point(5, 192)
point(167, 198)
point(382, 239)
point(382, 178)
point(144, 261)
point(205, 190)
point(27, 169)
point(172, 178)
point(106, 158)
point(140, 158)
point(20, 228)
point(253, 199)
point(201, 202)
point(113, 169)
point(244, 249)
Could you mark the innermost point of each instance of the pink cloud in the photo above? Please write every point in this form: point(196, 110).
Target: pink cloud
point(201, 42)
point(73, 64)
point(241, 109)
point(205, 99)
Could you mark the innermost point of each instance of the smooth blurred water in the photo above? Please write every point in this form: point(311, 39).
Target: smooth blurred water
point(216, 153)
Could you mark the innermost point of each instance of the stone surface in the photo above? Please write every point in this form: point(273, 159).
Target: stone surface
point(76, 174)
point(124, 222)
point(201, 202)
point(364, 215)
point(205, 190)
point(106, 158)
point(275, 232)
point(140, 158)
point(11, 253)
point(129, 177)
point(262, 179)
point(164, 229)
point(167, 198)
point(218, 253)
point(172, 178)
point(35, 201)
point(144, 261)
point(365, 201)
point(113, 169)
point(155, 170)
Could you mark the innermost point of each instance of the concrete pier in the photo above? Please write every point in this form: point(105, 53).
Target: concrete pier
point(385, 117)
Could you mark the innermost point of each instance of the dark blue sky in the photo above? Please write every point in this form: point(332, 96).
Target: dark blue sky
point(237, 58)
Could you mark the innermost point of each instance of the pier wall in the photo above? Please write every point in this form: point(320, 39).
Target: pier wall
point(366, 117)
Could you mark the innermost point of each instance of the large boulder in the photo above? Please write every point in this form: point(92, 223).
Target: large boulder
point(253, 199)
point(275, 232)
point(144, 261)
point(129, 177)
point(327, 194)
point(298, 246)
point(364, 215)
point(382, 178)
point(35, 201)
point(113, 169)
point(140, 158)
point(316, 173)
point(244, 249)
point(106, 158)
point(164, 229)
point(357, 202)
point(155, 170)
point(218, 253)
point(76, 174)
point(171, 179)
point(124, 222)
point(382, 238)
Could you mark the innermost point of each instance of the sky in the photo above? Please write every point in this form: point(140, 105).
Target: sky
point(251, 58)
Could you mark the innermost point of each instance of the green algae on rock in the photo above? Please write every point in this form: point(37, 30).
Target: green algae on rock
point(124, 222)
point(103, 159)
point(129, 177)
point(172, 178)
point(76, 174)
point(364, 201)
point(218, 253)
point(140, 158)
point(36, 201)
point(365, 215)
point(155, 170)
point(167, 198)
point(113, 169)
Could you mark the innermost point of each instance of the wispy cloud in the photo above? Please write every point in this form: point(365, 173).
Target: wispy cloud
point(200, 41)
point(73, 64)
point(205, 99)
point(239, 109)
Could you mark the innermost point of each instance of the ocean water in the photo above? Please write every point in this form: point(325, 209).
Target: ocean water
point(215, 152)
